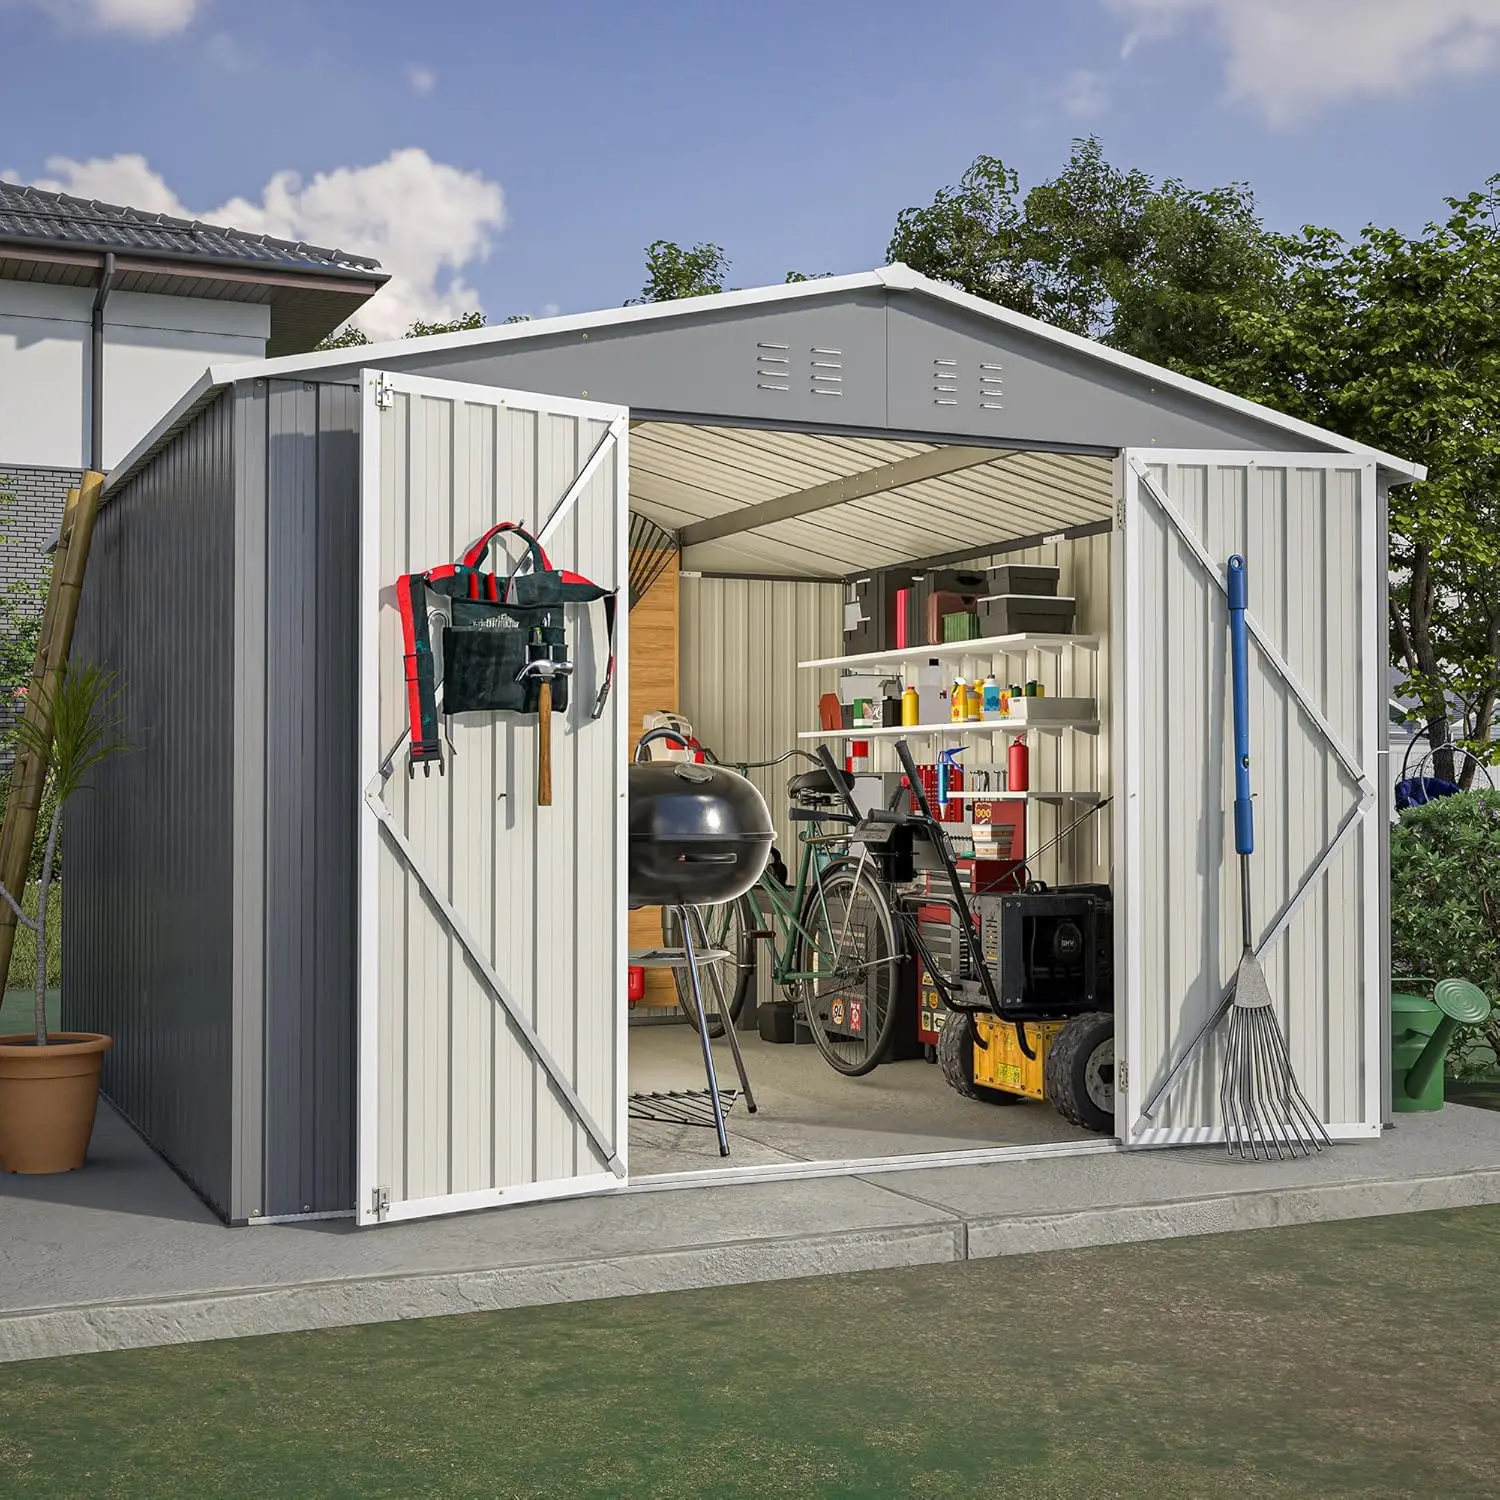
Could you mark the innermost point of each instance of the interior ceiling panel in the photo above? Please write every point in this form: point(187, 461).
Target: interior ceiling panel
point(681, 473)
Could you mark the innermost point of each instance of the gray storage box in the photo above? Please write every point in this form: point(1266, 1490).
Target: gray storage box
point(1014, 614)
point(1022, 578)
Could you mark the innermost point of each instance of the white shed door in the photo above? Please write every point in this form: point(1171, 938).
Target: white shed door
point(492, 931)
point(1307, 528)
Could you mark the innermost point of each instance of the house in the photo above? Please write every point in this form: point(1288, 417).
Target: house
point(107, 314)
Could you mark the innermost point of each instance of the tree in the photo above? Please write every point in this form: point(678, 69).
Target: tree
point(673, 272)
point(1147, 268)
point(1391, 340)
point(350, 337)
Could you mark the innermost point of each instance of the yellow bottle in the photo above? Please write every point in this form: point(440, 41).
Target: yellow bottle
point(975, 701)
point(911, 707)
point(958, 706)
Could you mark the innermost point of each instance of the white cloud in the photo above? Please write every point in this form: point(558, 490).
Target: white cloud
point(1083, 95)
point(424, 221)
point(151, 19)
point(230, 53)
point(550, 309)
point(423, 80)
point(1290, 58)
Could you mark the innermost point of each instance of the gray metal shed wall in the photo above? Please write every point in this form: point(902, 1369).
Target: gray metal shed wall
point(296, 794)
point(891, 349)
point(148, 853)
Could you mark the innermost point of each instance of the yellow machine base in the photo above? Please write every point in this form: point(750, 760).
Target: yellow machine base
point(999, 1062)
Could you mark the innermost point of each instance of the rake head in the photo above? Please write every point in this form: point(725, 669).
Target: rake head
point(652, 549)
point(1264, 1108)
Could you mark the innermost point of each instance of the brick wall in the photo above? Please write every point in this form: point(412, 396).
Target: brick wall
point(30, 521)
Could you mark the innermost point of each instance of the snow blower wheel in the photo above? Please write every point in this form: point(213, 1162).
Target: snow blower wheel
point(1080, 1072)
point(955, 1060)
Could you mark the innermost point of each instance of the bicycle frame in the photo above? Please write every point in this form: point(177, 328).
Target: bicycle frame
point(786, 905)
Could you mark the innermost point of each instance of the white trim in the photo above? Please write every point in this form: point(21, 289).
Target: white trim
point(526, 1192)
point(438, 388)
point(1213, 1135)
point(255, 1220)
point(866, 1166)
point(367, 1011)
point(623, 747)
point(895, 278)
point(1375, 739)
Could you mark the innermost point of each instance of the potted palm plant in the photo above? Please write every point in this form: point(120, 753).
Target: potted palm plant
point(49, 1081)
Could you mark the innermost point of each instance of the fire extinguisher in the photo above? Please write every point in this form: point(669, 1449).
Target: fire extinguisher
point(1017, 766)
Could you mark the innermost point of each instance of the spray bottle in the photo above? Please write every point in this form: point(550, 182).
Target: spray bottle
point(947, 761)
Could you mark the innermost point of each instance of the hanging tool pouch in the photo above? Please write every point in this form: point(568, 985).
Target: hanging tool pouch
point(496, 627)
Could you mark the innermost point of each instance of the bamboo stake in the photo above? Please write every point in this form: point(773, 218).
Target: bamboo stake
point(29, 773)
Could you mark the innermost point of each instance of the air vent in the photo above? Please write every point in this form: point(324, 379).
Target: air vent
point(773, 367)
point(945, 382)
point(991, 386)
point(827, 372)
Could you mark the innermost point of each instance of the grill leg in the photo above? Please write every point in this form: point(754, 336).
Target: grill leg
point(717, 980)
point(685, 916)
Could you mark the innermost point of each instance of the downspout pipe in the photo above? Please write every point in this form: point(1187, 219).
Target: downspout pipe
point(96, 366)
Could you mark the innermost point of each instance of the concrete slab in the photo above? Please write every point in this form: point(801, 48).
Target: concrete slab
point(122, 1255)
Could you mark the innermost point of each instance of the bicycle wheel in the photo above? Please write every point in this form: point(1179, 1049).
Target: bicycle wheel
point(851, 1005)
point(727, 927)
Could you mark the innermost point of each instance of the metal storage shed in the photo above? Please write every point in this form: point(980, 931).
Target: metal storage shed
point(297, 1030)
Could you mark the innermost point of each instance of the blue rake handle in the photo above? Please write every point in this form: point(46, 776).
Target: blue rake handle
point(1239, 660)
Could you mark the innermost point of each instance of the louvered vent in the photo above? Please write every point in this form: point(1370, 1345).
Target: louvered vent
point(991, 386)
point(945, 382)
point(827, 372)
point(773, 367)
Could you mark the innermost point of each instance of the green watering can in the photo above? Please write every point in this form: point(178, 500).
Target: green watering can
point(1421, 1028)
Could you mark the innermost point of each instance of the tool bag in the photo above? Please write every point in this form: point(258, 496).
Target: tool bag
point(496, 627)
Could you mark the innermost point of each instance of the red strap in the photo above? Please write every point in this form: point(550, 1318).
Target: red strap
point(474, 553)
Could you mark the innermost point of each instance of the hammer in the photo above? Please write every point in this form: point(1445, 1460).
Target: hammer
point(543, 669)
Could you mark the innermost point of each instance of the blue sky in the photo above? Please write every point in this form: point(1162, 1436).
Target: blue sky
point(522, 155)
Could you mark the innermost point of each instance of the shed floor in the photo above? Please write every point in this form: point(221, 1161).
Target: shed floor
point(123, 1255)
point(807, 1112)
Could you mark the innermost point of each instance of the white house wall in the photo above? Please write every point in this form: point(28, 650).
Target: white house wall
point(154, 349)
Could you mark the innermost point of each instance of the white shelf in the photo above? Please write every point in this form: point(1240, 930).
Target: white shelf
point(993, 726)
point(1091, 798)
point(993, 645)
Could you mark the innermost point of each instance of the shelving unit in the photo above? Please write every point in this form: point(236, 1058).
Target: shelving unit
point(994, 645)
point(993, 726)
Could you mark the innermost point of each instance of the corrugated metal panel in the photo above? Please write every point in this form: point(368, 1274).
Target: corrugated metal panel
point(462, 1107)
point(149, 861)
point(309, 641)
point(1303, 533)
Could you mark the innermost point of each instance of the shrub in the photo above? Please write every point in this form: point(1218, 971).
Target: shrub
point(1445, 905)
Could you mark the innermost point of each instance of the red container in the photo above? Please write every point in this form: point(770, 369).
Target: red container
point(954, 812)
point(635, 984)
point(1018, 767)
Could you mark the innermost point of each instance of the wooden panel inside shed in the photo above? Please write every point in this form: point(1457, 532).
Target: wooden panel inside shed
point(653, 684)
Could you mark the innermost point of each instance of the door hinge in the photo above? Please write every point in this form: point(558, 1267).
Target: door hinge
point(1122, 1076)
point(380, 1202)
point(1120, 513)
point(385, 393)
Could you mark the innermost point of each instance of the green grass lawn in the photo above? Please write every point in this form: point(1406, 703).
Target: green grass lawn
point(1331, 1360)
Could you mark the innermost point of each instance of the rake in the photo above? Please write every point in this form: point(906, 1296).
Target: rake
point(652, 549)
point(1263, 1106)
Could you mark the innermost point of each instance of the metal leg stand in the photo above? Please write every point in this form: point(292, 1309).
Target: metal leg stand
point(716, 978)
point(686, 924)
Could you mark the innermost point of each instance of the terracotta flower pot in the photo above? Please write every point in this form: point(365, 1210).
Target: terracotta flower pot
point(48, 1097)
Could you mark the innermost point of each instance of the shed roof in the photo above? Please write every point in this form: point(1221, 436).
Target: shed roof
point(58, 238)
point(1129, 383)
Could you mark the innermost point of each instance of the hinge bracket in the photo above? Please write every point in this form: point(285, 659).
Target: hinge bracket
point(1122, 1076)
point(385, 393)
point(380, 1202)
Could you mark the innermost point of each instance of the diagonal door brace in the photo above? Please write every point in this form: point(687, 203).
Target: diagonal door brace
point(491, 980)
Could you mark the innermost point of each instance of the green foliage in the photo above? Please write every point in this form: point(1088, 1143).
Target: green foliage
point(350, 337)
point(23, 949)
point(1445, 904)
point(1149, 268)
point(673, 272)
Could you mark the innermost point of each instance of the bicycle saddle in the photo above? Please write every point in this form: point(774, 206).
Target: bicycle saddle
point(819, 784)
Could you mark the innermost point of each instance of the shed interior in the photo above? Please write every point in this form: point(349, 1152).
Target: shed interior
point(745, 634)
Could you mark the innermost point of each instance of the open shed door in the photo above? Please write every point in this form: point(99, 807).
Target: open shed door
point(1307, 526)
point(492, 1047)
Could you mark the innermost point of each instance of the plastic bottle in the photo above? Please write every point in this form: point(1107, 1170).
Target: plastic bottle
point(958, 704)
point(990, 705)
point(911, 707)
point(1018, 766)
point(975, 702)
point(945, 765)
